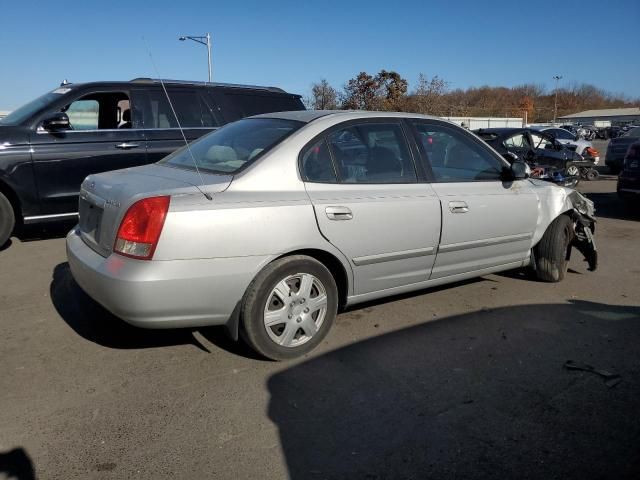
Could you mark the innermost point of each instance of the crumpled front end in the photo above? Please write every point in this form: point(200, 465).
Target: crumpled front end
point(584, 222)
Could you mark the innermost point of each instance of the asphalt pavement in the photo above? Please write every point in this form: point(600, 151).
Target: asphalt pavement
point(463, 381)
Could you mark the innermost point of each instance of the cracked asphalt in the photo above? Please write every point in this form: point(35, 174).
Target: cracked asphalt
point(462, 381)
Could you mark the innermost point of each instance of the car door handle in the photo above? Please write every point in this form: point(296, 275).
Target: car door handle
point(127, 146)
point(458, 207)
point(338, 213)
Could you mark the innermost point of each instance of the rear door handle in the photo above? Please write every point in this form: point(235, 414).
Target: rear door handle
point(338, 213)
point(458, 207)
point(127, 146)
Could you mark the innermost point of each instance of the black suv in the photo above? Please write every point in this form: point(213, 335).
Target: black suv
point(48, 146)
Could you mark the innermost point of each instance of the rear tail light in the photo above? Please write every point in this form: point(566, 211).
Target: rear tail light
point(140, 228)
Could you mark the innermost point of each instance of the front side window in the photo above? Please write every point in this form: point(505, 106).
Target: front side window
point(233, 146)
point(99, 111)
point(372, 153)
point(519, 140)
point(540, 141)
point(455, 158)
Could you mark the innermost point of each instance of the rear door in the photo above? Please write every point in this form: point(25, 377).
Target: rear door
point(370, 204)
point(104, 136)
point(486, 222)
point(195, 110)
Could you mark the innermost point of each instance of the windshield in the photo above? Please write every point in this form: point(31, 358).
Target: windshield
point(231, 147)
point(24, 112)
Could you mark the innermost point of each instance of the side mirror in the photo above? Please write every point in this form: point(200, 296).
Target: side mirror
point(56, 122)
point(520, 170)
point(511, 157)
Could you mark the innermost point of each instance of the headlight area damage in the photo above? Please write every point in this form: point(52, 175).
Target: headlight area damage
point(584, 225)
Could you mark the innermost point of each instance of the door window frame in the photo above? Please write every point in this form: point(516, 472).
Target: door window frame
point(68, 100)
point(420, 176)
point(426, 162)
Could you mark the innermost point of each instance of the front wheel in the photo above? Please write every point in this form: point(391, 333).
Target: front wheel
point(552, 251)
point(7, 219)
point(289, 307)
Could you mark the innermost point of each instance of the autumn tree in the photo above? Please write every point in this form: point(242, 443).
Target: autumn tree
point(428, 95)
point(360, 93)
point(323, 96)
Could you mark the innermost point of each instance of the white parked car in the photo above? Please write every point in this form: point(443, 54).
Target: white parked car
point(582, 147)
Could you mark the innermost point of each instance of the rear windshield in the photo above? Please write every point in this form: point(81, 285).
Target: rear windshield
point(231, 147)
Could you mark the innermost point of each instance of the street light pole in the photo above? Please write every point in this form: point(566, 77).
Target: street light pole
point(555, 105)
point(204, 40)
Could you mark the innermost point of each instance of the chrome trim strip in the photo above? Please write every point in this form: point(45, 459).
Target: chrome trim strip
point(388, 257)
point(54, 215)
point(454, 247)
point(42, 130)
point(630, 190)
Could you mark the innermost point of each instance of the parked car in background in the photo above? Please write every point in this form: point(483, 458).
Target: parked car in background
point(293, 215)
point(618, 147)
point(48, 146)
point(579, 145)
point(629, 178)
point(549, 159)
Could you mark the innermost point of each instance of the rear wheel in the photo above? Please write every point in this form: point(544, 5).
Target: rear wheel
point(572, 170)
point(289, 307)
point(592, 174)
point(552, 251)
point(7, 219)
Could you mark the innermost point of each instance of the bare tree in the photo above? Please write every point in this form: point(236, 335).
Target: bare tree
point(323, 96)
point(427, 96)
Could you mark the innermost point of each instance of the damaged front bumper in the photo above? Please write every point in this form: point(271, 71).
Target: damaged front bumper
point(584, 224)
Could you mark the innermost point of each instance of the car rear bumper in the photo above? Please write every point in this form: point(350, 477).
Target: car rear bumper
point(162, 294)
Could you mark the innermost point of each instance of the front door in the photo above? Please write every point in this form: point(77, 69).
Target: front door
point(486, 221)
point(103, 137)
point(362, 181)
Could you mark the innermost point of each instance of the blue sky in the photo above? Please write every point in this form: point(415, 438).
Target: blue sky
point(292, 44)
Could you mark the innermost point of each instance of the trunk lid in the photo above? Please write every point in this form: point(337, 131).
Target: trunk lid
point(105, 197)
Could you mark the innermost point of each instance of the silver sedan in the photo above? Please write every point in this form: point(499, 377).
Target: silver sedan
point(271, 224)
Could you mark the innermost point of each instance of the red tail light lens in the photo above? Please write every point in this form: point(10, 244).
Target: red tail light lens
point(141, 227)
point(592, 152)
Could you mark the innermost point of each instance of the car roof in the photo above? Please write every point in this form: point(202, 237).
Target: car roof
point(154, 81)
point(307, 116)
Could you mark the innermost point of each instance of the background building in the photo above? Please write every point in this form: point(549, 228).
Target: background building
point(614, 115)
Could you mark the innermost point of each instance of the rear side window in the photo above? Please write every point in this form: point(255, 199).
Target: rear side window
point(372, 153)
point(317, 165)
point(194, 110)
point(256, 104)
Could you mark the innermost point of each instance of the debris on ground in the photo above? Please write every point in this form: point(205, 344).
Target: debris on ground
point(612, 379)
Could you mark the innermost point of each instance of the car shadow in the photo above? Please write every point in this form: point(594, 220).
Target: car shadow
point(610, 205)
point(45, 231)
point(482, 395)
point(16, 465)
point(94, 323)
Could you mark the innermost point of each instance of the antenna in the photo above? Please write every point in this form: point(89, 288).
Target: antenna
point(193, 158)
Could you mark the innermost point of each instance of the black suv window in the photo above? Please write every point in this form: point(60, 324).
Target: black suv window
point(256, 104)
point(455, 158)
point(100, 111)
point(372, 153)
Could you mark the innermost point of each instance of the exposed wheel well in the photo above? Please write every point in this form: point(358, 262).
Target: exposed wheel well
point(335, 267)
point(13, 200)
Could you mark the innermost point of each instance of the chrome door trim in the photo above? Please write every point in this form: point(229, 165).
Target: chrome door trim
point(388, 257)
point(35, 218)
point(454, 247)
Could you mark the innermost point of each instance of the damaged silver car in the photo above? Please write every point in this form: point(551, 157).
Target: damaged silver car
point(271, 224)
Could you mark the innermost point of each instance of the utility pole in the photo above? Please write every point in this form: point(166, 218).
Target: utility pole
point(204, 40)
point(555, 106)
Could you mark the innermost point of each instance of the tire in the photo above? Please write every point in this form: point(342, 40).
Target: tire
point(552, 251)
point(592, 174)
point(7, 219)
point(572, 170)
point(278, 289)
